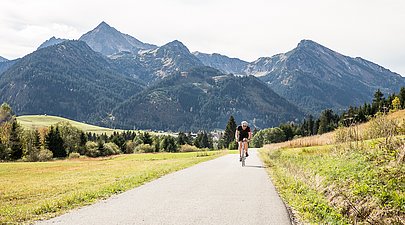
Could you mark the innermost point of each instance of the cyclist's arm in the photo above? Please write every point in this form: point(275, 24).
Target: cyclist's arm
point(236, 135)
point(250, 135)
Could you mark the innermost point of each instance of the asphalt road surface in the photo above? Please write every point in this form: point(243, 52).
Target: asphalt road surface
point(219, 191)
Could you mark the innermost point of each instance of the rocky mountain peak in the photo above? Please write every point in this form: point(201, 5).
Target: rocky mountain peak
point(2, 59)
point(176, 46)
point(51, 41)
point(108, 40)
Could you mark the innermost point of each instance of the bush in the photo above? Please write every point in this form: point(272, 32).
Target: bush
point(129, 147)
point(257, 140)
point(45, 154)
point(111, 148)
point(92, 149)
point(273, 135)
point(74, 155)
point(344, 134)
point(233, 145)
point(189, 148)
point(32, 154)
point(146, 148)
point(381, 126)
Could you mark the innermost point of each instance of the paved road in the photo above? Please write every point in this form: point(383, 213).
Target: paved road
point(219, 191)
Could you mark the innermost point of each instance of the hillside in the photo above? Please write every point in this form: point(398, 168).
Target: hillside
point(40, 121)
point(5, 65)
point(67, 79)
point(204, 98)
point(335, 179)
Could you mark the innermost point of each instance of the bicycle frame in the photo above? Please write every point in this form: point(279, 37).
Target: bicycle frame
point(243, 152)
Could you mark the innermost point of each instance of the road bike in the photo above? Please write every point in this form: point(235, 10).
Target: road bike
point(243, 151)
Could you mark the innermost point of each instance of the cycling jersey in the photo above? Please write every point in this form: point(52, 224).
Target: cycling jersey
point(243, 133)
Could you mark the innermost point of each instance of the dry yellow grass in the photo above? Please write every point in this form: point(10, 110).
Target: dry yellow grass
point(329, 138)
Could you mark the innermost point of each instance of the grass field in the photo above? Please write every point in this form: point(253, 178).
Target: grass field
point(39, 121)
point(40, 190)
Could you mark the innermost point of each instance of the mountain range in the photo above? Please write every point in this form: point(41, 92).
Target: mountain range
point(110, 78)
point(205, 98)
point(3, 59)
point(67, 79)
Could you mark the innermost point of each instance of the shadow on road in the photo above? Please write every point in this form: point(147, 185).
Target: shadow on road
point(255, 166)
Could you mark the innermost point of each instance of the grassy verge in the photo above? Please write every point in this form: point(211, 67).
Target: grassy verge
point(40, 190)
point(340, 184)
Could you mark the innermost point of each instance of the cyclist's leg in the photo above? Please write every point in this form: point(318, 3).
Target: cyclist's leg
point(246, 147)
point(240, 148)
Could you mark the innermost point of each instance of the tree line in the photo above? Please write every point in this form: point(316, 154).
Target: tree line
point(64, 140)
point(329, 120)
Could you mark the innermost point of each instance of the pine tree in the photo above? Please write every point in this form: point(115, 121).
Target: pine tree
point(327, 121)
point(182, 139)
point(37, 139)
point(229, 134)
point(204, 140)
point(146, 138)
point(316, 127)
point(54, 143)
point(198, 140)
point(15, 142)
point(4, 154)
point(401, 96)
point(83, 139)
point(100, 147)
point(378, 101)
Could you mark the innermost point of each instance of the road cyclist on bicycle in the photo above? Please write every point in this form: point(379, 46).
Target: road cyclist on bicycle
point(243, 134)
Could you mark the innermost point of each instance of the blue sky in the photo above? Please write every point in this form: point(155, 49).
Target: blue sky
point(371, 29)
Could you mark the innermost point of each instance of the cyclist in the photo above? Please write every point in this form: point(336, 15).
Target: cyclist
point(243, 134)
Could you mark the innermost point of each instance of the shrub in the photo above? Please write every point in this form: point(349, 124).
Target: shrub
point(257, 140)
point(129, 147)
point(346, 134)
point(233, 145)
point(92, 149)
point(381, 126)
point(144, 148)
point(44, 154)
point(188, 148)
point(74, 155)
point(111, 148)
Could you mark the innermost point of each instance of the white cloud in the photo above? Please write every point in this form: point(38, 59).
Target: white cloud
point(372, 29)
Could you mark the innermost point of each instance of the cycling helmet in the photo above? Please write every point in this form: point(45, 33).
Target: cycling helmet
point(244, 123)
